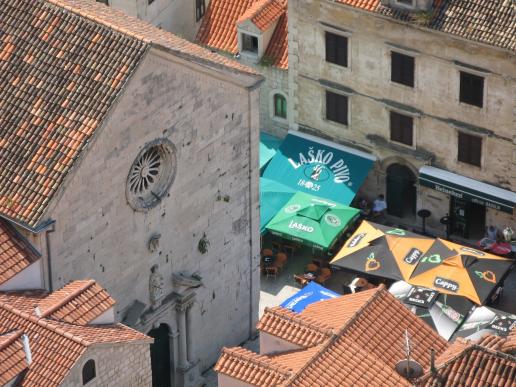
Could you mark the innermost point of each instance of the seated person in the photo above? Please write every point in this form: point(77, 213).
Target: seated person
point(363, 206)
point(492, 233)
point(379, 206)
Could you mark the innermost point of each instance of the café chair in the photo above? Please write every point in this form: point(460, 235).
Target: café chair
point(267, 253)
point(271, 272)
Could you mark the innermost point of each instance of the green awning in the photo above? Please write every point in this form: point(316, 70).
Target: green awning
point(273, 196)
point(312, 221)
point(469, 189)
point(268, 147)
point(318, 167)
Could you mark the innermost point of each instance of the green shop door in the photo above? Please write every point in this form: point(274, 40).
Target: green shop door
point(401, 191)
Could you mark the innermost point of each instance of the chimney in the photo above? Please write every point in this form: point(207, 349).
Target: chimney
point(26, 349)
point(433, 370)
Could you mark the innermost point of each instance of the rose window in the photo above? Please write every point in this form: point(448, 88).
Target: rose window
point(151, 175)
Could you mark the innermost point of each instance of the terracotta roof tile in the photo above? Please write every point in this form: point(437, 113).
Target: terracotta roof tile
point(78, 302)
point(343, 362)
point(16, 253)
point(249, 367)
point(219, 28)
point(263, 13)
point(491, 22)
point(485, 363)
point(292, 327)
point(12, 357)
point(62, 64)
point(55, 345)
point(277, 50)
point(352, 340)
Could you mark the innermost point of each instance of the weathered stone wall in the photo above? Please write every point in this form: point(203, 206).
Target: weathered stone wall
point(127, 365)
point(434, 100)
point(176, 16)
point(214, 125)
point(276, 81)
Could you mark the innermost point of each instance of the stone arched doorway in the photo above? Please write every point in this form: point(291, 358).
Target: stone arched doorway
point(401, 191)
point(160, 356)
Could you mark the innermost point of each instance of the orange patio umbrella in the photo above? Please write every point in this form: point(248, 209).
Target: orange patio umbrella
point(382, 251)
point(455, 269)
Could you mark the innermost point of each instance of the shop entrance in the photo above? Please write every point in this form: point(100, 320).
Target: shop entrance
point(160, 356)
point(468, 220)
point(401, 191)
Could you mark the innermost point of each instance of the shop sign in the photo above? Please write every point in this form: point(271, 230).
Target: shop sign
point(502, 324)
point(462, 193)
point(421, 297)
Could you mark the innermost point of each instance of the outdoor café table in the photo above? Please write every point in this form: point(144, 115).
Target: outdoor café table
point(268, 261)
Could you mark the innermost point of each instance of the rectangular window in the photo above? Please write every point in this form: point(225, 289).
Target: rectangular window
point(336, 49)
point(337, 108)
point(470, 149)
point(200, 9)
point(402, 128)
point(402, 69)
point(471, 89)
point(249, 43)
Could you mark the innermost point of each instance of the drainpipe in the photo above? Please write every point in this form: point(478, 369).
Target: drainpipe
point(49, 230)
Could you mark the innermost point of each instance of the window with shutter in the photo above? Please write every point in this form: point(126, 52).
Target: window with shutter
point(470, 149)
point(471, 89)
point(280, 106)
point(402, 128)
point(402, 69)
point(336, 49)
point(337, 108)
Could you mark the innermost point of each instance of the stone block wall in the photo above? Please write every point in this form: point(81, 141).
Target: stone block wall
point(176, 16)
point(127, 365)
point(433, 102)
point(213, 122)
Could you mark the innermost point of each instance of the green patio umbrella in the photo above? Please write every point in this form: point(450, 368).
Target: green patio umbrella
point(312, 221)
point(268, 147)
point(273, 196)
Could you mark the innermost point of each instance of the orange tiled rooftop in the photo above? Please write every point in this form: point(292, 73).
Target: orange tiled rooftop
point(58, 340)
point(349, 340)
point(52, 100)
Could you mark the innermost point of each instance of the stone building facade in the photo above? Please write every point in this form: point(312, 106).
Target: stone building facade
point(229, 25)
point(159, 198)
point(181, 17)
point(116, 365)
point(454, 112)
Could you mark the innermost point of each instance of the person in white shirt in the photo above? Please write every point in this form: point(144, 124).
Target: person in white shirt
point(379, 205)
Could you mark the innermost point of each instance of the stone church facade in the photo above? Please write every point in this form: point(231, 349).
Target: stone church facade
point(160, 203)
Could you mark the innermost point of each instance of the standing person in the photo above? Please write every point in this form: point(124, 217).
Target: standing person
point(379, 206)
